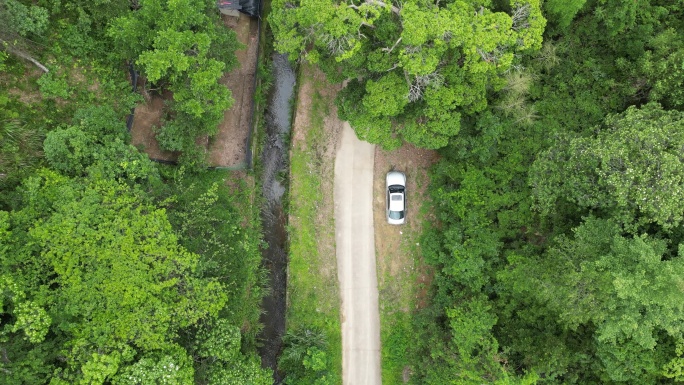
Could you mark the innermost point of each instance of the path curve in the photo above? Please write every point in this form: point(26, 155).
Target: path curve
point(356, 260)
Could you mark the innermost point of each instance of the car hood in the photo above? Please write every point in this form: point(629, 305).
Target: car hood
point(396, 178)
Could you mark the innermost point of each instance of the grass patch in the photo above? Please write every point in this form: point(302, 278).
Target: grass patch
point(313, 291)
point(397, 294)
point(397, 337)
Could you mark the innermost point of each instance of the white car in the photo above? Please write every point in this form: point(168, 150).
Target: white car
point(396, 197)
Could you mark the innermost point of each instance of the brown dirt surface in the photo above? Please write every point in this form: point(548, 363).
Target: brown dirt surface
point(401, 274)
point(146, 120)
point(26, 97)
point(21, 86)
point(229, 147)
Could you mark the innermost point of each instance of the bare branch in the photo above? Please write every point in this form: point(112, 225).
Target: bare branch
point(337, 45)
point(393, 8)
point(491, 57)
point(415, 93)
point(514, 68)
point(411, 49)
point(520, 15)
point(388, 50)
point(447, 35)
point(421, 83)
point(5, 359)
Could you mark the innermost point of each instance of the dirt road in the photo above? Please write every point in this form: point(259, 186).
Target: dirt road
point(356, 260)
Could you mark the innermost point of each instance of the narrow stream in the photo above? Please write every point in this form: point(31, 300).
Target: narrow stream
point(275, 161)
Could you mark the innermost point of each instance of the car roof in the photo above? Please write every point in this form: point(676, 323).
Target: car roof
point(396, 204)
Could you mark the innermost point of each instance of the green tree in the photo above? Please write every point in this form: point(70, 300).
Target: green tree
point(304, 358)
point(663, 66)
point(19, 23)
point(619, 16)
point(29, 317)
point(482, 211)
point(25, 20)
point(69, 150)
point(95, 145)
point(515, 288)
point(564, 11)
point(632, 168)
point(466, 352)
point(417, 65)
point(223, 227)
point(181, 46)
point(170, 367)
point(218, 346)
point(620, 291)
point(107, 267)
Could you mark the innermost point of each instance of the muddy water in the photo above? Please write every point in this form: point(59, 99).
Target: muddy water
point(274, 158)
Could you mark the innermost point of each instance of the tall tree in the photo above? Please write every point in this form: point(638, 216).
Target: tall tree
point(619, 292)
point(100, 292)
point(181, 46)
point(106, 266)
point(414, 66)
point(18, 22)
point(563, 11)
point(633, 168)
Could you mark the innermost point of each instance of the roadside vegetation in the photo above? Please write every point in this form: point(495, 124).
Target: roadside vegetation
point(313, 345)
point(556, 248)
point(115, 269)
point(398, 299)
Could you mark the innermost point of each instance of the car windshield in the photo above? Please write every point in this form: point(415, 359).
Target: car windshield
point(396, 214)
point(396, 189)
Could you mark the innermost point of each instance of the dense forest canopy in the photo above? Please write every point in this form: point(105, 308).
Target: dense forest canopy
point(414, 67)
point(114, 269)
point(557, 251)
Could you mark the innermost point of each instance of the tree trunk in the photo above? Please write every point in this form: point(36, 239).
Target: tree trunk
point(22, 54)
